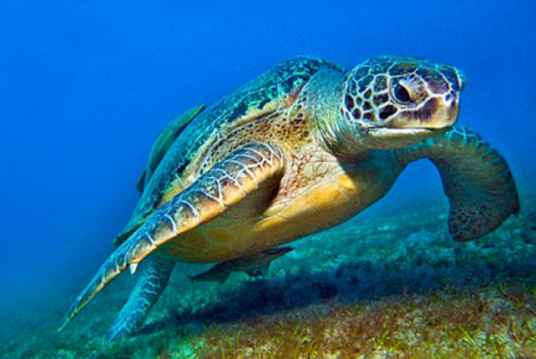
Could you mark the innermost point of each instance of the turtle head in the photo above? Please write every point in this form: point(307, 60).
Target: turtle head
point(396, 101)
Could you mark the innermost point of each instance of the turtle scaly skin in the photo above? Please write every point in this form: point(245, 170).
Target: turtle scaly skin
point(304, 147)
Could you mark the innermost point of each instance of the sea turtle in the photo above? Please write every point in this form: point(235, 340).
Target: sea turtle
point(302, 148)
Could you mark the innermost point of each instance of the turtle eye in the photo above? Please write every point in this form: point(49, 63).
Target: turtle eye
point(408, 90)
point(401, 93)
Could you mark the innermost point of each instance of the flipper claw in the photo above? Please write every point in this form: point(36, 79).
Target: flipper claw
point(132, 267)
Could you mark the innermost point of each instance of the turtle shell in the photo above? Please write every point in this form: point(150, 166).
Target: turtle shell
point(210, 136)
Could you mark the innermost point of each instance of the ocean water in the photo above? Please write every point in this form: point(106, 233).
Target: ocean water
point(85, 87)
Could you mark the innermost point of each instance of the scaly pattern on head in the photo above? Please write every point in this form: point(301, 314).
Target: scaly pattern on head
point(388, 93)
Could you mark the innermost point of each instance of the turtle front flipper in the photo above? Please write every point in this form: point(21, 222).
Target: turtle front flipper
point(476, 179)
point(250, 169)
point(145, 294)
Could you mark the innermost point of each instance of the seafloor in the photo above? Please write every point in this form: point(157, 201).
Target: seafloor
point(381, 286)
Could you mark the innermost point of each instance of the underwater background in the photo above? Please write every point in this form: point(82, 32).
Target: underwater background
point(86, 86)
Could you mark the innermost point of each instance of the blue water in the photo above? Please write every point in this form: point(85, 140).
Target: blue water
point(85, 86)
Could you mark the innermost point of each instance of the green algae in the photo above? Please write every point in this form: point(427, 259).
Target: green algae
point(478, 323)
point(391, 286)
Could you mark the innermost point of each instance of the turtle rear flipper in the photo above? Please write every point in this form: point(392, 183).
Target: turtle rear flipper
point(476, 179)
point(241, 176)
point(145, 294)
point(254, 265)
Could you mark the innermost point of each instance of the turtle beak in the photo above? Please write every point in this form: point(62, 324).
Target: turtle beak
point(401, 137)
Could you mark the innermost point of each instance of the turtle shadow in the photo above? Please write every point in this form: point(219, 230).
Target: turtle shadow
point(348, 283)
